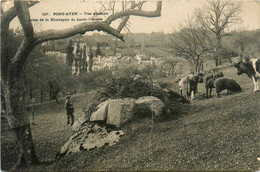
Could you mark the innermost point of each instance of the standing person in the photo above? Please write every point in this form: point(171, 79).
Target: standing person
point(70, 110)
point(33, 111)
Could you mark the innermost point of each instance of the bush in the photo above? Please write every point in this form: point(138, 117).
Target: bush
point(141, 111)
point(94, 80)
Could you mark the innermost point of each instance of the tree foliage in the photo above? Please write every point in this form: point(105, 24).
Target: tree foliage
point(190, 42)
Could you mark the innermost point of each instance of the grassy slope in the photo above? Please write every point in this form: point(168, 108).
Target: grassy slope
point(213, 134)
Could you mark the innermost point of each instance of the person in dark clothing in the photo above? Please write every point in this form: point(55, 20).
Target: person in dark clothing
point(70, 111)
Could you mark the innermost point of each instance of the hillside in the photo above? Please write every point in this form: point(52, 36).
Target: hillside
point(210, 134)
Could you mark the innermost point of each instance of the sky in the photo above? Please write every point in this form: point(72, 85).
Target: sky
point(173, 13)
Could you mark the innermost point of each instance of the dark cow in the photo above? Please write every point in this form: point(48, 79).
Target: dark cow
point(226, 84)
point(189, 85)
point(218, 75)
point(209, 82)
point(252, 69)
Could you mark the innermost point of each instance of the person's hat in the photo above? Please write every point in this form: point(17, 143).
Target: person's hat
point(68, 95)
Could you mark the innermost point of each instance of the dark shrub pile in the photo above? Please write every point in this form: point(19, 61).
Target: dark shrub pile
point(115, 88)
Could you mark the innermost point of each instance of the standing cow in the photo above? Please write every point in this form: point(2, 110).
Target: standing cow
point(189, 85)
point(209, 82)
point(251, 68)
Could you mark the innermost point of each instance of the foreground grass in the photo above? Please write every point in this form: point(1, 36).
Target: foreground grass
point(211, 134)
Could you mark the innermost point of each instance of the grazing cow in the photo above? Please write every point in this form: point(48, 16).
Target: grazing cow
point(209, 82)
point(226, 84)
point(252, 69)
point(189, 84)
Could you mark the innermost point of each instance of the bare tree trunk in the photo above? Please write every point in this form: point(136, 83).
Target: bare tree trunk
point(27, 153)
point(216, 62)
point(18, 120)
point(30, 92)
point(54, 90)
point(198, 65)
point(41, 95)
point(202, 66)
point(115, 48)
point(218, 51)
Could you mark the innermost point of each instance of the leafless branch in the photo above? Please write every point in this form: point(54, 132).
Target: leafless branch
point(136, 12)
point(22, 11)
point(10, 14)
point(100, 26)
point(78, 29)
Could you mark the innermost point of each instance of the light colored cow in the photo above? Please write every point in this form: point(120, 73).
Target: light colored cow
point(188, 85)
point(251, 68)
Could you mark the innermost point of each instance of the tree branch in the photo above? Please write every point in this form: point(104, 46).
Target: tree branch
point(23, 14)
point(100, 26)
point(10, 14)
point(135, 12)
point(123, 23)
point(77, 29)
point(125, 20)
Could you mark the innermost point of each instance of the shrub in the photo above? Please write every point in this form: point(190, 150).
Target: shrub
point(94, 80)
point(141, 111)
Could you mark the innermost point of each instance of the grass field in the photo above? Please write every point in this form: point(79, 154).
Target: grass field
point(211, 134)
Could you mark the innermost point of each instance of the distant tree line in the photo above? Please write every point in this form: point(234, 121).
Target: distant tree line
point(206, 35)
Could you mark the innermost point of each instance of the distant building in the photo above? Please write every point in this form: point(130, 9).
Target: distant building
point(143, 58)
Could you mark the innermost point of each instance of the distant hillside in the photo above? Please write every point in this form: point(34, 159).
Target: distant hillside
point(150, 43)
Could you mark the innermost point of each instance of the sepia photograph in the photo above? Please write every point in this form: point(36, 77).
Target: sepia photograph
point(151, 85)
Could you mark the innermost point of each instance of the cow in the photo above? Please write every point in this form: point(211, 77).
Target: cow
point(218, 75)
point(209, 82)
point(189, 85)
point(251, 68)
point(226, 84)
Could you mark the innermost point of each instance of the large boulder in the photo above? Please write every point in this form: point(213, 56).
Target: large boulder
point(155, 105)
point(120, 111)
point(101, 112)
point(90, 136)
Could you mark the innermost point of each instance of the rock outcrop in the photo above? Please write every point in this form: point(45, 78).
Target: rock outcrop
point(101, 112)
point(120, 111)
point(117, 112)
point(90, 136)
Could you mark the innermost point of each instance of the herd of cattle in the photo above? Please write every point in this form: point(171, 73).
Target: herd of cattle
point(188, 84)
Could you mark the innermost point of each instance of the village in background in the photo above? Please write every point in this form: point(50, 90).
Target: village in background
point(103, 52)
point(76, 64)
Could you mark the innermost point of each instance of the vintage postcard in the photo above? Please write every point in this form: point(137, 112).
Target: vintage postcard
point(130, 85)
